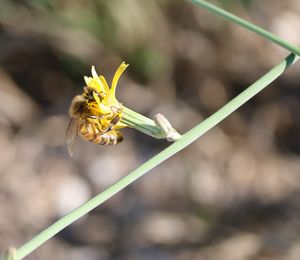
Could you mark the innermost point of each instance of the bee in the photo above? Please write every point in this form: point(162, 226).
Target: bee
point(88, 126)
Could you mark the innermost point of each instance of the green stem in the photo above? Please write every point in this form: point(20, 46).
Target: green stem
point(224, 14)
point(140, 123)
point(177, 146)
point(160, 128)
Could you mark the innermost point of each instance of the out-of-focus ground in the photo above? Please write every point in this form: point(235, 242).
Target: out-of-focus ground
point(233, 194)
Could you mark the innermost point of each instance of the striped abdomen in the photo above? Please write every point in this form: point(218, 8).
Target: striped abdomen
point(90, 132)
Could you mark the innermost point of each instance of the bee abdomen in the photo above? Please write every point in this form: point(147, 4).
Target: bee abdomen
point(90, 133)
point(109, 138)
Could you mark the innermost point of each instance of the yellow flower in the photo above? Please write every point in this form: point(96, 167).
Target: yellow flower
point(96, 115)
point(101, 100)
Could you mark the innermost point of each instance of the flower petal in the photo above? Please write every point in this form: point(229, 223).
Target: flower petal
point(103, 80)
point(96, 97)
point(100, 87)
point(116, 77)
point(87, 80)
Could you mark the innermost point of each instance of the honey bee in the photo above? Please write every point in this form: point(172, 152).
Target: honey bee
point(88, 126)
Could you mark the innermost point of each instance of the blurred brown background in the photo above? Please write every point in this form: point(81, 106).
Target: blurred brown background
point(233, 194)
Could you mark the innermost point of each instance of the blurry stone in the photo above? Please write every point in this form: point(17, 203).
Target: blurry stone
point(53, 130)
point(216, 145)
point(170, 229)
point(248, 62)
point(130, 35)
point(212, 94)
point(97, 229)
point(208, 187)
point(16, 106)
point(130, 95)
point(86, 253)
point(71, 192)
point(235, 125)
point(269, 183)
point(76, 42)
point(54, 249)
point(172, 174)
point(294, 252)
point(238, 247)
point(287, 26)
point(43, 190)
point(28, 143)
point(7, 150)
point(114, 163)
point(195, 47)
point(241, 173)
point(269, 119)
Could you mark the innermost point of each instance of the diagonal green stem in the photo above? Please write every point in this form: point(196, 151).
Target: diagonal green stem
point(224, 14)
point(186, 139)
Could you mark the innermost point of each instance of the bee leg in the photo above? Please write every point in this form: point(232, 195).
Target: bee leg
point(112, 124)
point(95, 120)
point(165, 126)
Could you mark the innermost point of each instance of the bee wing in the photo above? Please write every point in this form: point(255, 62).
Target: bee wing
point(72, 134)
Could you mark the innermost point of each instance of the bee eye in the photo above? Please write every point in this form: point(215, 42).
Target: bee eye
point(90, 96)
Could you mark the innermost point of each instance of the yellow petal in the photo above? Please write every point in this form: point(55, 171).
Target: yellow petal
point(87, 80)
point(93, 84)
point(116, 77)
point(103, 80)
point(100, 87)
point(96, 97)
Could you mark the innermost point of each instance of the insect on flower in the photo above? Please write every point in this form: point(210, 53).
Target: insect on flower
point(96, 113)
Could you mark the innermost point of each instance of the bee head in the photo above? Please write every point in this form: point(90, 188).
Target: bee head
point(77, 105)
point(90, 92)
